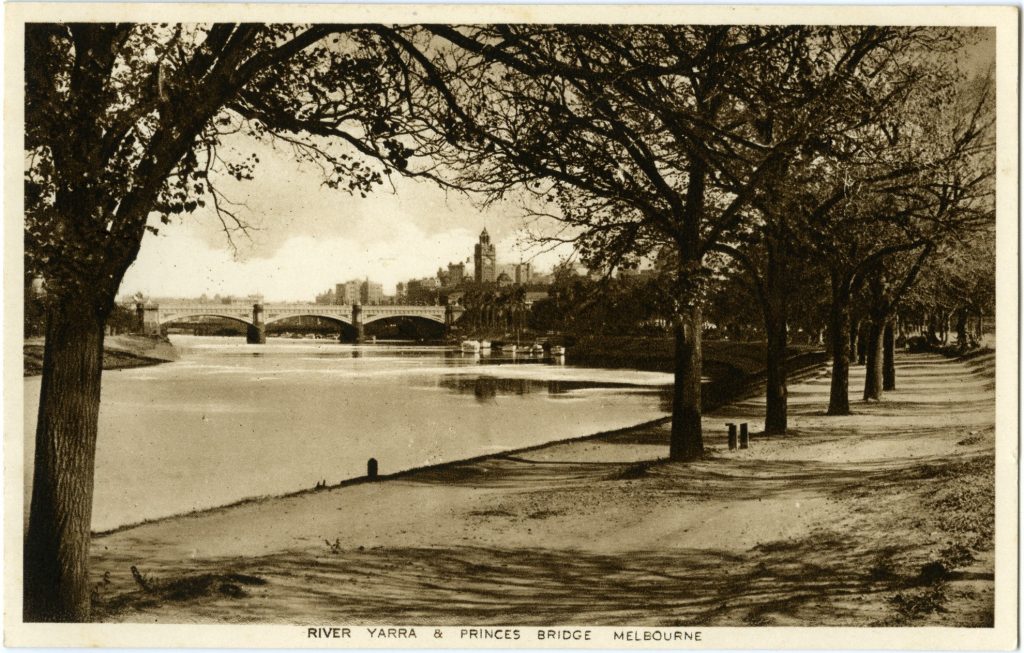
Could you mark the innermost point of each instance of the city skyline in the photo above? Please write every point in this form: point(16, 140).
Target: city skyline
point(307, 237)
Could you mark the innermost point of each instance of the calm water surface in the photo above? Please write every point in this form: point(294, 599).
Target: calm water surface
point(230, 420)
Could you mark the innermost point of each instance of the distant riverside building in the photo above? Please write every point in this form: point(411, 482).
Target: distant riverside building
point(371, 293)
point(355, 292)
point(520, 273)
point(421, 291)
point(484, 259)
point(453, 276)
point(348, 292)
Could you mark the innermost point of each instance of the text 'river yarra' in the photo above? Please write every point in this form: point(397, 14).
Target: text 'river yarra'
point(549, 333)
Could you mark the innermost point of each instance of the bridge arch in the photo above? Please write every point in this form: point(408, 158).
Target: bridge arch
point(252, 332)
point(414, 316)
point(405, 327)
point(177, 317)
point(348, 332)
point(329, 318)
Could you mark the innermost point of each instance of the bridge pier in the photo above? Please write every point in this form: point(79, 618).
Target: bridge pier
point(357, 322)
point(257, 333)
point(148, 317)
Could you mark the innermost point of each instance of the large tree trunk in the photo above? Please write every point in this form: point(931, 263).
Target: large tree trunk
point(839, 335)
point(873, 373)
point(933, 325)
point(687, 440)
point(776, 397)
point(889, 357)
point(56, 579)
point(862, 341)
point(775, 317)
point(854, 333)
point(961, 328)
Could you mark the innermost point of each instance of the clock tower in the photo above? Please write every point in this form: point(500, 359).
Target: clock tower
point(484, 259)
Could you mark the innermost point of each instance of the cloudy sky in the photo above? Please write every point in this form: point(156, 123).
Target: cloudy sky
point(308, 237)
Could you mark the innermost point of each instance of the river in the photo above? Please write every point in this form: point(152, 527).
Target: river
point(230, 421)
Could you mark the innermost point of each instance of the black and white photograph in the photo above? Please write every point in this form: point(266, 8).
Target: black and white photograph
point(525, 326)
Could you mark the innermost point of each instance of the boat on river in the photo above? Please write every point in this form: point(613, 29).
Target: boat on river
point(470, 346)
point(557, 350)
point(537, 349)
point(509, 348)
point(485, 344)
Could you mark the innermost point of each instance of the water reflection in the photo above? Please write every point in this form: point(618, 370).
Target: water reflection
point(486, 388)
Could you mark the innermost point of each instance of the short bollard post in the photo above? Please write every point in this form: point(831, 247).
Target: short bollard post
point(371, 468)
point(732, 436)
point(744, 436)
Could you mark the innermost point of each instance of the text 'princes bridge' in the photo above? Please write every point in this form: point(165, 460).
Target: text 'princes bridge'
point(350, 318)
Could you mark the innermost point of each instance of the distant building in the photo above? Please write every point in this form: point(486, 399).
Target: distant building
point(453, 276)
point(348, 293)
point(400, 293)
point(371, 293)
point(520, 273)
point(484, 260)
point(325, 298)
point(421, 291)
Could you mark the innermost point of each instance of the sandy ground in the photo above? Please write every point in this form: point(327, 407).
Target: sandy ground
point(883, 517)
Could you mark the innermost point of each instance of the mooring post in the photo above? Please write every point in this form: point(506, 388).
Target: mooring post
point(371, 468)
point(744, 436)
point(732, 436)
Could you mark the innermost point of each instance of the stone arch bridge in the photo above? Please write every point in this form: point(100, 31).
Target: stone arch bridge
point(258, 316)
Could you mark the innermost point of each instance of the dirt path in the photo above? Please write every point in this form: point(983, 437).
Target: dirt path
point(879, 518)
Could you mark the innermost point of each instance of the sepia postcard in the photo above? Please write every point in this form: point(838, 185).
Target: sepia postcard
point(524, 326)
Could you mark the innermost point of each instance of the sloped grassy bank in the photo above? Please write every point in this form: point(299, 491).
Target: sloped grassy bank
point(120, 352)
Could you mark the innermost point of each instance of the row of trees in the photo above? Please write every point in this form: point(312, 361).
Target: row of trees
point(731, 150)
point(735, 152)
point(489, 307)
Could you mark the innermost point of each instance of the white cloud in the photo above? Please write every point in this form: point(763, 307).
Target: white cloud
point(185, 266)
point(308, 237)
